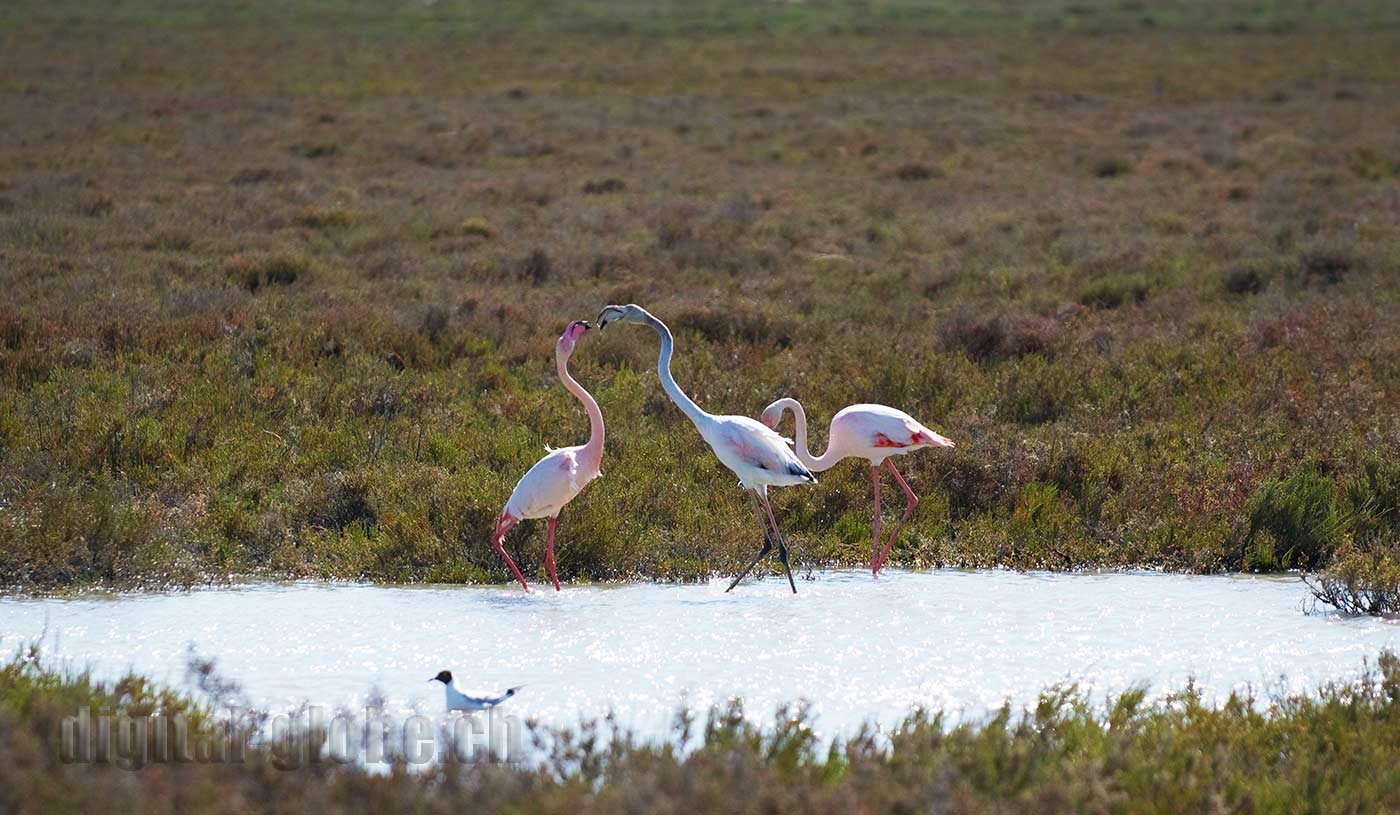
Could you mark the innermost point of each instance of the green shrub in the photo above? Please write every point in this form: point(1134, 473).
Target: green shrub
point(1111, 167)
point(333, 217)
point(1302, 517)
point(993, 337)
point(740, 321)
point(1035, 391)
point(478, 228)
point(536, 268)
point(1361, 580)
point(1327, 264)
point(258, 271)
point(1247, 278)
point(1374, 499)
point(1112, 292)
point(1043, 524)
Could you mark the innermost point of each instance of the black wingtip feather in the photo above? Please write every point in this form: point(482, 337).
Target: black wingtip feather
point(799, 470)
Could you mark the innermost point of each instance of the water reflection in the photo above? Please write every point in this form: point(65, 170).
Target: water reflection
point(857, 648)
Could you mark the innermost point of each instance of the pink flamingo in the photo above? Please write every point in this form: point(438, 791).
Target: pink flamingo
point(560, 475)
point(875, 433)
point(760, 457)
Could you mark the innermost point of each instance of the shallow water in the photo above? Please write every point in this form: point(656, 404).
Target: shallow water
point(857, 648)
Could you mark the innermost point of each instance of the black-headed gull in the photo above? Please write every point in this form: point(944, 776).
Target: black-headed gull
point(456, 700)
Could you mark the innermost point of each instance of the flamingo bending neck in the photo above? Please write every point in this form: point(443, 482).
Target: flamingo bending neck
point(816, 464)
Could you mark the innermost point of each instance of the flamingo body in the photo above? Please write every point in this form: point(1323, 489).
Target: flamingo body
point(756, 454)
point(554, 481)
point(874, 433)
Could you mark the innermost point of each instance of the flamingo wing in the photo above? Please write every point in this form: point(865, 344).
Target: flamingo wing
point(753, 445)
point(547, 486)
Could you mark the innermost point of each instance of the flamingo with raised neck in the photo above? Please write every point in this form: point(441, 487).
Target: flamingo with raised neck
point(562, 474)
point(757, 455)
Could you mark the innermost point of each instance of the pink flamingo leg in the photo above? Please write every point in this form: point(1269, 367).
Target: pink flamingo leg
point(909, 507)
point(549, 553)
point(767, 541)
point(503, 525)
point(875, 547)
point(782, 545)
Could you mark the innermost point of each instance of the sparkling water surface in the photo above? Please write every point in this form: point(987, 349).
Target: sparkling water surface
point(857, 648)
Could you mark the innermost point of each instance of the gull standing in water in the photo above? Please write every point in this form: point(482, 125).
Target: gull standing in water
point(456, 700)
point(759, 456)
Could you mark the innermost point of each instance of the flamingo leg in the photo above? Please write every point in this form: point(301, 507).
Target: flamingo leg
point(549, 552)
point(767, 541)
point(503, 525)
point(782, 545)
point(875, 524)
point(912, 503)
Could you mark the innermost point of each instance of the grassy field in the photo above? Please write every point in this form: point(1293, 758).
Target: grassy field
point(282, 280)
point(1335, 751)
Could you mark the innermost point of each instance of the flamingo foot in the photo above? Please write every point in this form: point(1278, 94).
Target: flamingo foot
point(783, 556)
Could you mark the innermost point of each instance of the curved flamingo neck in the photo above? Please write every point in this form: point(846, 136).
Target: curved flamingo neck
point(816, 464)
point(668, 382)
point(594, 448)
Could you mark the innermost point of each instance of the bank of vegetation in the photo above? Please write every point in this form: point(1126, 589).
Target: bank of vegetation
point(1336, 750)
point(276, 305)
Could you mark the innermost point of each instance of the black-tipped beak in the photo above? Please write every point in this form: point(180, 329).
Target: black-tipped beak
point(586, 325)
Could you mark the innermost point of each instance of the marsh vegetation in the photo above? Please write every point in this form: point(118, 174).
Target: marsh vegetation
point(281, 284)
point(1332, 751)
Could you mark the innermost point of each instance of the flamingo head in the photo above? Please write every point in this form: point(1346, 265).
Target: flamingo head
point(773, 414)
point(630, 313)
point(565, 345)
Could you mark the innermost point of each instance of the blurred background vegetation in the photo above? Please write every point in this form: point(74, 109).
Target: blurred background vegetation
point(282, 280)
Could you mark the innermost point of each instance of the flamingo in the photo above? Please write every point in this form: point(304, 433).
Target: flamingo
point(875, 433)
point(561, 474)
point(757, 455)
